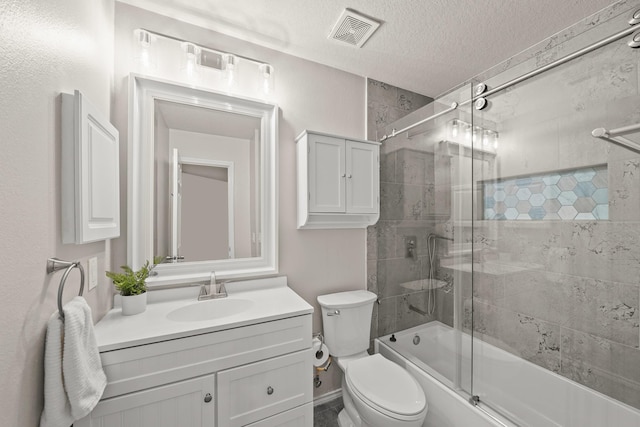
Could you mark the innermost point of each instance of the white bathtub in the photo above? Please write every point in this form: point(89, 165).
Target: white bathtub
point(533, 396)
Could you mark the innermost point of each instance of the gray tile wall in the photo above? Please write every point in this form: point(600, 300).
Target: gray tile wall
point(406, 208)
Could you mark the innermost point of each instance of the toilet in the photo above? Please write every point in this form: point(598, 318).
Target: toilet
point(376, 392)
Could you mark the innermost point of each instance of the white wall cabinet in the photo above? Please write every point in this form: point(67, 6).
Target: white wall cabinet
point(90, 173)
point(338, 181)
point(257, 375)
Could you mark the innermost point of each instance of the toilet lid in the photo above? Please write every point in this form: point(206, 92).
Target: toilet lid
point(385, 385)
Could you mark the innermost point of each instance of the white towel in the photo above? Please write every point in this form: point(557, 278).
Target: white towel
point(74, 379)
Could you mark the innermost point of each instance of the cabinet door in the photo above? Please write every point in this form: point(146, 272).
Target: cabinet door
point(362, 177)
point(326, 174)
point(90, 174)
point(181, 404)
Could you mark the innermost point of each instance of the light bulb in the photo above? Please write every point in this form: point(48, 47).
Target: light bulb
point(230, 69)
point(190, 59)
point(454, 128)
point(267, 76)
point(486, 135)
point(144, 49)
point(467, 134)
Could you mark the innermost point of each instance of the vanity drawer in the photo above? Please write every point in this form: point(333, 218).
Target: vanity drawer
point(150, 365)
point(253, 392)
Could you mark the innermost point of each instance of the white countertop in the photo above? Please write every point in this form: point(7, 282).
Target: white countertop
point(272, 298)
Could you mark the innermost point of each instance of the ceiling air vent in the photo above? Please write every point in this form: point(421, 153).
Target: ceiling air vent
point(353, 28)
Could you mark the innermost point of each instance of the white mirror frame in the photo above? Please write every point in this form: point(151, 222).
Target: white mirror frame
point(143, 92)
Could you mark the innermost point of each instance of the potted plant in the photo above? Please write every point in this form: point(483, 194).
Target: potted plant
point(132, 287)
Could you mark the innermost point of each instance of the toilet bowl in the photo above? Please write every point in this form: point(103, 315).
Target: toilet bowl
point(376, 392)
point(382, 394)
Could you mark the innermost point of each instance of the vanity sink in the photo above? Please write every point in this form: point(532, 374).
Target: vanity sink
point(209, 310)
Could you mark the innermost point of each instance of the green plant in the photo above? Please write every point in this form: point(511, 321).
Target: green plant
point(131, 282)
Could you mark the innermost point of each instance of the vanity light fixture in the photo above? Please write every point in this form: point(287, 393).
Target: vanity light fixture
point(197, 57)
point(463, 133)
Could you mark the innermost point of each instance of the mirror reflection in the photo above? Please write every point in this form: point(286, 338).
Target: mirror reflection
point(207, 183)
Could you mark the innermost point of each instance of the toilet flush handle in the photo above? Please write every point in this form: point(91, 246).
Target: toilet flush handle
point(333, 313)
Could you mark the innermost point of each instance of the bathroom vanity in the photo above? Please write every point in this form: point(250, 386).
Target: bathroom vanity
point(236, 361)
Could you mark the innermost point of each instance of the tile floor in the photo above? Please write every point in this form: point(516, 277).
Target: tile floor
point(326, 415)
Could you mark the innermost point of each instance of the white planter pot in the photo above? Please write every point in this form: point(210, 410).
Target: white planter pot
point(134, 304)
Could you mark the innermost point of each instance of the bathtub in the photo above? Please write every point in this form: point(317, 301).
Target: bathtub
point(532, 396)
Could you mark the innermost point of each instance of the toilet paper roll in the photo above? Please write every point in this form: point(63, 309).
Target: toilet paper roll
point(320, 352)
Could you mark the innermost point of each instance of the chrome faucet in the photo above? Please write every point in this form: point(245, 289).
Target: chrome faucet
point(219, 289)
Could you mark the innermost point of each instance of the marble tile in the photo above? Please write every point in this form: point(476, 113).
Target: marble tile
point(414, 202)
point(414, 167)
point(386, 237)
point(407, 318)
point(532, 339)
point(544, 295)
point(381, 92)
point(392, 200)
point(609, 310)
point(387, 316)
point(617, 387)
point(410, 101)
point(372, 276)
point(624, 197)
point(603, 354)
point(388, 167)
point(372, 242)
point(393, 272)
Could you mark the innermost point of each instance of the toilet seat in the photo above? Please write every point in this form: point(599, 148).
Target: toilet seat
point(386, 387)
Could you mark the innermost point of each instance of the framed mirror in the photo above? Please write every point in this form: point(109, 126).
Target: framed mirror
point(202, 182)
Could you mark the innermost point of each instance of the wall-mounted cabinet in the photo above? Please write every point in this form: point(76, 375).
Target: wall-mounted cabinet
point(90, 173)
point(338, 181)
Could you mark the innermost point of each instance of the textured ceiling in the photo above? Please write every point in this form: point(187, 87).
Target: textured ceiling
point(426, 46)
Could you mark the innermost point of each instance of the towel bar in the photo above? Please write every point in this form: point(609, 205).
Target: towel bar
point(55, 264)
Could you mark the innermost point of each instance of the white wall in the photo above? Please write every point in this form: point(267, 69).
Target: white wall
point(310, 96)
point(47, 47)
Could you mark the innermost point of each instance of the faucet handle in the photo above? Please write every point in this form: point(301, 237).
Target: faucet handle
point(223, 288)
point(204, 291)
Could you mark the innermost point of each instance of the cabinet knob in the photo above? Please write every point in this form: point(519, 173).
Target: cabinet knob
point(344, 174)
point(269, 390)
point(208, 398)
point(349, 176)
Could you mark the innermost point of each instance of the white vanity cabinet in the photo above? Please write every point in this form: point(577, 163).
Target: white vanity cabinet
point(258, 375)
point(338, 181)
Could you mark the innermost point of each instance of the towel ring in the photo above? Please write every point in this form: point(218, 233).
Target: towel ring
point(55, 264)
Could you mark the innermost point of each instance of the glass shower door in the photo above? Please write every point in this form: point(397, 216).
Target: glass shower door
point(556, 245)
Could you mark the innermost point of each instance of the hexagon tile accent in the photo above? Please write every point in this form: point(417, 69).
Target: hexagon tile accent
point(578, 194)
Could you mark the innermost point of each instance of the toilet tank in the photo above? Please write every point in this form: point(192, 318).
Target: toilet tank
point(346, 320)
